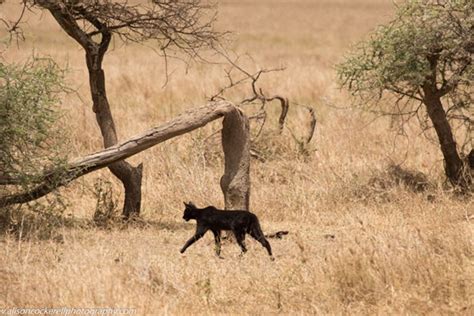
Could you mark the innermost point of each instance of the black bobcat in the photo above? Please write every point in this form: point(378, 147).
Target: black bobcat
point(239, 222)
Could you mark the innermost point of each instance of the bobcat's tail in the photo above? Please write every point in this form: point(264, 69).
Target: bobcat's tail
point(258, 231)
point(278, 235)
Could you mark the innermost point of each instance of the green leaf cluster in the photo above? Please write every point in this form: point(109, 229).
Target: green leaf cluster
point(30, 138)
point(395, 58)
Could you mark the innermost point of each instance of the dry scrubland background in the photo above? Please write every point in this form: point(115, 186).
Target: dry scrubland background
point(393, 251)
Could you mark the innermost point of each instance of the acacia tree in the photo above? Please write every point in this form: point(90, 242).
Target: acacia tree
point(184, 26)
point(422, 58)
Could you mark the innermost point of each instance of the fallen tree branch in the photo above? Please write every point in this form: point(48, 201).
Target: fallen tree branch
point(182, 124)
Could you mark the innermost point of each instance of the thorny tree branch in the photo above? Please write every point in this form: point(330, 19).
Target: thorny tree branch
point(13, 27)
point(182, 29)
point(258, 95)
point(184, 26)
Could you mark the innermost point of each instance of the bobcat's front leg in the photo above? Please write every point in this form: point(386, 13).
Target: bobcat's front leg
point(217, 240)
point(200, 231)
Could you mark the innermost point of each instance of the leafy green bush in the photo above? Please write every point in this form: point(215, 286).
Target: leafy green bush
point(31, 139)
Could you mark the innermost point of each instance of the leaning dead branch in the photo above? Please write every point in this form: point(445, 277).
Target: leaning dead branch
point(235, 182)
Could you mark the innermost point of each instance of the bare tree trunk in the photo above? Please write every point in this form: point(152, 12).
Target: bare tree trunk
point(131, 177)
point(454, 166)
point(453, 162)
point(235, 183)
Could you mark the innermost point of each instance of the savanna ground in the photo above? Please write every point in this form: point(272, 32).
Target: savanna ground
point(361, 240)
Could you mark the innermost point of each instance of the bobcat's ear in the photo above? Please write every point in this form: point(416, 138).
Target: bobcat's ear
point(185, 204)
point(191, 204)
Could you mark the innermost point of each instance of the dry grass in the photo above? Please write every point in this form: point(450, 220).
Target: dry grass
point(355, 246)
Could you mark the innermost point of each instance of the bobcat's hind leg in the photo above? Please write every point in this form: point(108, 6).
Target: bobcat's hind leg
point(240, 236)
point(258, 235)
point(217, 240)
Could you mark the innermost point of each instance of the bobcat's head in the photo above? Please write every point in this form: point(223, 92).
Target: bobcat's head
point(189, 211)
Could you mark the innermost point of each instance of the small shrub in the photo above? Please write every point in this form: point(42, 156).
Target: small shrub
point(106, 213)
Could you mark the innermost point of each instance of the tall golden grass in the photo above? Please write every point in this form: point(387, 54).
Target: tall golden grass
point(361, 240)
